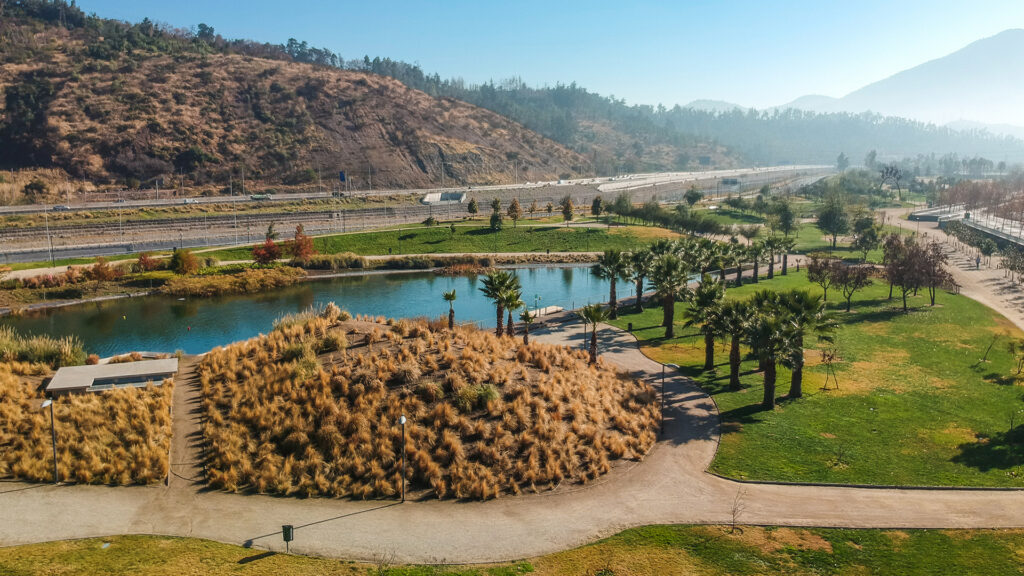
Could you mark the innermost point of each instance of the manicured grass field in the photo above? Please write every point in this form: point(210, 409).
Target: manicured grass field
point(728, 216)
point(650, 550)
point(914, 405)
point(69, 261)
point(440, 240)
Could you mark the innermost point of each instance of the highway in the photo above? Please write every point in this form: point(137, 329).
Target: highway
point(135, 234)
point(605, 184)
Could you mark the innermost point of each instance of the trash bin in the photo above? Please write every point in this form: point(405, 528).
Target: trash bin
point(630, 328)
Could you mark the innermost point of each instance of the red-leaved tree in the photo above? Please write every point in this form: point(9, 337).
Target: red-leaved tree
point(267, 253)
point(302, 246)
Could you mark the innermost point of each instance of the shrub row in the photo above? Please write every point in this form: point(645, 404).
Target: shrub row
point(248, 281)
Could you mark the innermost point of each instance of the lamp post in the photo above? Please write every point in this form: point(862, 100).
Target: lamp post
point(401, 420)
point(53, 439)
point(663, 366)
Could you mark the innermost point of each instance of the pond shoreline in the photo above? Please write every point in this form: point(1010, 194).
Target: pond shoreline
point(42, 306)
point(6, 311)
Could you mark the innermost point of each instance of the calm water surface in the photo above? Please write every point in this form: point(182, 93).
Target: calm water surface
point(163, 324)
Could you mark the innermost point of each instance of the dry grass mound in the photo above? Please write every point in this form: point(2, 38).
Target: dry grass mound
point(312, 409)
point(116, 437)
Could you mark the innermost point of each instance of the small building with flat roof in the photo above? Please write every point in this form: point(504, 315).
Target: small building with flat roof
point(443, 198)
point(100, 377)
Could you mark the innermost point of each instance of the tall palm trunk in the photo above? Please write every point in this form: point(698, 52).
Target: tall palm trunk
point(721, 276)
point(771, 265)
point(593, 345)
point(785, 263)
point(670, 316)
point(640, 294)
point(709, 351)
point(739, 273)
point(757, 271)
point(501, 321)
point(734, 362)
point(451, 318)
point(612, 304)
point(769, 385)
point(510, 330)
point(796, 382)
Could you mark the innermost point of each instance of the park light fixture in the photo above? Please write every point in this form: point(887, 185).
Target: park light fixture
point(663, 366)
point(401, 420)
point(53, 438)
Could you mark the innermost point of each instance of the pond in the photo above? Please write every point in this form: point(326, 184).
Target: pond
point(165, 324)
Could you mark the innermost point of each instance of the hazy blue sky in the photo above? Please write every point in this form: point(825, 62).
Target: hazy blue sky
point(755, 53)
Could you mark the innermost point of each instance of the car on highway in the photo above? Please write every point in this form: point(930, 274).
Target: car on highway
point(60, 208)
point(190, 201)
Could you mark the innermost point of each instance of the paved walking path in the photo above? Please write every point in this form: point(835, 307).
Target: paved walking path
point(987, 284)
point(669, 486)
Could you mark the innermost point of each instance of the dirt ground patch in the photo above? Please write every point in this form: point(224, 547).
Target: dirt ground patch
point(866, 375)
point(953, 435)
point(772, 540)
point(647, 233)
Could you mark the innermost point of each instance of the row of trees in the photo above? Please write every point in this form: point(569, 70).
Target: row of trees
point(300, 248)
point(668, 266)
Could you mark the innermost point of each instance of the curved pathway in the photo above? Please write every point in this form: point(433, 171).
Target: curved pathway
point(669, 486)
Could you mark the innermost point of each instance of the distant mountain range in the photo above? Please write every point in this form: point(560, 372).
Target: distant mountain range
point(980, 86)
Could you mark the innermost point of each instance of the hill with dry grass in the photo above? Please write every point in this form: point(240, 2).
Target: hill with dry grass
point(312, 409)
point(109, 102)
point(116, 437)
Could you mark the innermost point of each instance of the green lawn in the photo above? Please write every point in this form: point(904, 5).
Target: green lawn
point(914, 405)
point(440, 240)
point(728, 216)
point(649, 550)
point(72, 261)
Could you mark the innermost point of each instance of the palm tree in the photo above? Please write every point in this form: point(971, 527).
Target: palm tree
point(640, 263)
point(768, 339)
point(804, 315)
point(703, 311)
point(611, 266)
point(756, 253)
point(527, 319)
point(669, 277)
point(494, 284)
point(786, 246)
point(512, 299)
point(449, 297)
point(749, 232)
point(734, 257)
point(734, 319)
point(773, 245)
point(764, 301)
point(594, 314)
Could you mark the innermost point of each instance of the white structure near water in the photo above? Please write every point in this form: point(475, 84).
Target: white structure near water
point(100, 377)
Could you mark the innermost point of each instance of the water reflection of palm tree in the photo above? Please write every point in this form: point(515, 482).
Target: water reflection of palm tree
point(568, 274)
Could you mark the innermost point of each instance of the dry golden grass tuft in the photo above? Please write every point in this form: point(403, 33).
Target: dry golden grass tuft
point(486, 416)
point(117, 437)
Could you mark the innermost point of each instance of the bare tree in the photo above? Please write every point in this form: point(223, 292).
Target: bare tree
point(739, 506)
